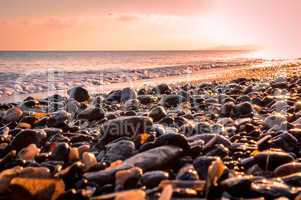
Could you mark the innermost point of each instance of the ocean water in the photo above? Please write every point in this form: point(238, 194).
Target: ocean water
point(25, 61)
point(37, 72)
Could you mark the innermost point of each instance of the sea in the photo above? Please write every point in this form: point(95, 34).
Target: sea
point(24, 61)
point(31, 72)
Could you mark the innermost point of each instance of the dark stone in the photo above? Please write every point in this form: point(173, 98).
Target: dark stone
point(153, 178)
point(147, 99)
point(271, 160)
point(288, 168)
point(187, 173)
point(202, 163)
point(119, 150)
point(127, 94)
point(30, 102)
point(244, 109)
point(162, 89)
point(125, 126)
point(227, 109)
point(13, 114)
point(92, 113)
point(114, 96)
point(172, 100)
point(79, 94)
point(27, 137)
point(156, 158)
point(61, 152)
point(58, 119)
point(157, 113)
point(173, 139)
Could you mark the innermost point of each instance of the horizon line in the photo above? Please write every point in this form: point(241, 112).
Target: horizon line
point(123, 50)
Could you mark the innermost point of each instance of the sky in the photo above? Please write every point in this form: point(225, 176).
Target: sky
point(274, 25)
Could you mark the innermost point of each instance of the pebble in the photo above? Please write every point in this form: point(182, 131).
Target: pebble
point(27, 137)
point(187, 173)
point(162, 89)
point(79, 94)
point(218, 140)
point(274, 121)
point(89, 160)
point(29, 152)
point(119, 150)
point(13, 114)
point(147, 99)
point(58, 119)
point(153, 178)
point(227, 108)
point(157, 113)
point(61, 151)
point(128, 94)
point(125, 126)
point(172, 100)
point(244, 109)
point(127, 179)
point(155, 158)
point(287, 168)
point(91, 114)
point(114, 96)
point(132, 104)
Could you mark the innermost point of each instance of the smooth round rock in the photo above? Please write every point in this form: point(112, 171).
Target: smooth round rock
point(274, 121)
point(172, 100)
point(61, 151)
point(153, 178)
point(187, 172)
point(157, 113)
point(27, 137)
point(127, 94)
point(125, 126)
point(147, 99)
point(271, 160)
point(227, 109)
point(120, 150)
point(173, 139)
point(13, 114)
point(114, 96)
point(288, 168)
point(92, 113)
point(162, 89)
point(79, 94)
point(132, 104)
point(244, 109)
point(156, 158)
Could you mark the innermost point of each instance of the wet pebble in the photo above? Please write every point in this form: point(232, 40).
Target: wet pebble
point(119, 150)
point(157, 113)
point(79, 94)
point(128, 94)
point(27, 137)
point(125, 126)
point(92, 113)
point(13, 114)
point(153, 178)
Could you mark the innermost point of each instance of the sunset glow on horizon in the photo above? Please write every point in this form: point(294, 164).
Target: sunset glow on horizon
point(274, 25)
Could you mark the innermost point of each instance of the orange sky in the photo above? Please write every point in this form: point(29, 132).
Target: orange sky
point(149, 25)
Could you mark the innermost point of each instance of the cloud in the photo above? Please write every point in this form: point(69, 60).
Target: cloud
point(124, 17)
point(37, 8)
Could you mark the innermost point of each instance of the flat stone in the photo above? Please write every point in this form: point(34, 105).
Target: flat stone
point(125, 126)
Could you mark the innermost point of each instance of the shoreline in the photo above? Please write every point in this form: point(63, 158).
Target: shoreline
point(264, 70)
point(34, 81)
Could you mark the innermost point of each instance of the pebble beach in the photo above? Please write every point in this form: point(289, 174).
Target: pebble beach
point(234, 133)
